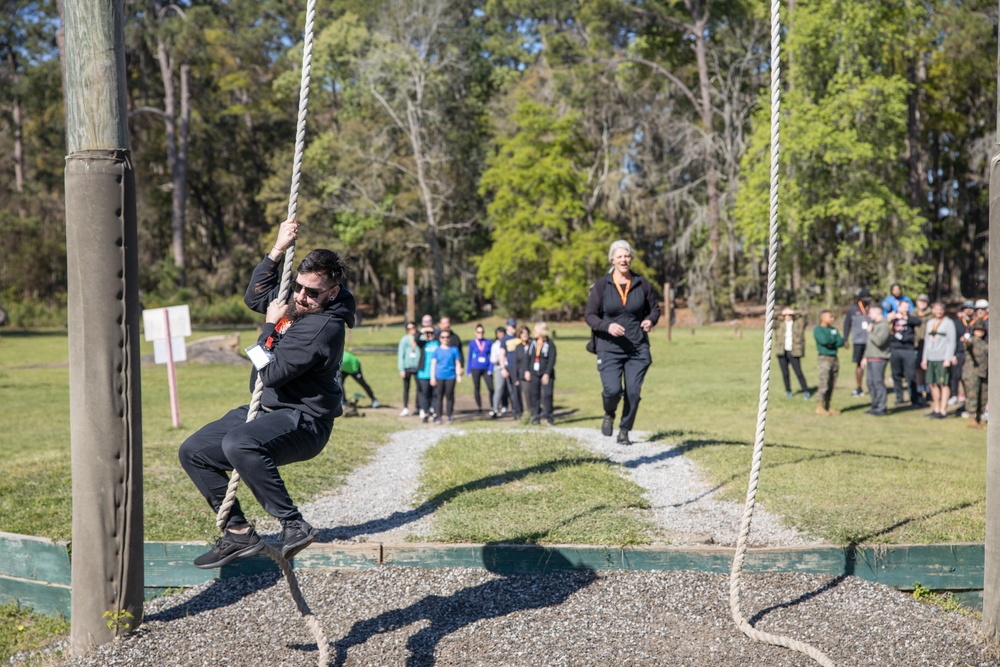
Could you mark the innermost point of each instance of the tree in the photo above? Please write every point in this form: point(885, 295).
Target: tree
point(547, 248)
point(845, 214)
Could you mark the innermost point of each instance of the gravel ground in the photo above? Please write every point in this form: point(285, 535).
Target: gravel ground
point(465, 617)
point(397, 616)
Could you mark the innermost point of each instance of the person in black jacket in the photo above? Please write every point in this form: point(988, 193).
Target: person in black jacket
point(621, 310)
point(538, 361)
point(904, 353)
point(297, 357)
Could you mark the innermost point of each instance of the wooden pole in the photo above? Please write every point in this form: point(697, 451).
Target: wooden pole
point(668, 308)
point(991, 578)
point(103, 318)
point(411, 294)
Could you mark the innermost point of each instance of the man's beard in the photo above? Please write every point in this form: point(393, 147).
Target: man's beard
point(296, 312)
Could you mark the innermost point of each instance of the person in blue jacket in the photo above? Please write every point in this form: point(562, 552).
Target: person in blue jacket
point(890, 304)
point(479, 366)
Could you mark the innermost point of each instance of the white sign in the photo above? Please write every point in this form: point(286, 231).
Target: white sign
point(155, 326)
point(177, 349)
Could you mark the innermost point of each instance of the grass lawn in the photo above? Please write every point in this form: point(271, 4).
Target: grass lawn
point(847, 479)
point(556, 492)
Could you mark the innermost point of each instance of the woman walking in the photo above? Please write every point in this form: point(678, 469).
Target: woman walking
point(790, 346)
point(540, 375)
point(446, 370)
point(408, 356)
point(621, 310)
point(479, 366)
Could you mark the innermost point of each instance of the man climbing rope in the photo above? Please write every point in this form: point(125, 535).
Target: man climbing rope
point(297, 357)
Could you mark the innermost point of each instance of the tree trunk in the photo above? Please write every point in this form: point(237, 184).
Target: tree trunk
point(416, 142)
point(18, 136)
point(176, 147)
point(700, 15)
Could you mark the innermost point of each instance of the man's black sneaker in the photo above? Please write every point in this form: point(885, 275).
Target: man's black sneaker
point(623, 437)
point(296, 535)
point(608, 425)
point(230, 547)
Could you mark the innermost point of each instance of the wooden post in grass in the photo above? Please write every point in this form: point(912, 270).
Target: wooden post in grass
point(103, 314)
point(411, 294)
point(668, 308)
point(991, 583)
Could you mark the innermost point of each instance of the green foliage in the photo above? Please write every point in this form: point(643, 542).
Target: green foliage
point(843, 216)
point(945, 601)
point(458, 305)
point(547, 247)
point(118, 621)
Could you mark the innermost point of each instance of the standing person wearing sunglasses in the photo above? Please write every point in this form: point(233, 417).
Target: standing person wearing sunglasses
point(480, 367)
point(297, 357)
point(446, 370)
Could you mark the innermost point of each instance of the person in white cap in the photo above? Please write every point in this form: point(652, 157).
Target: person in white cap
point(983, 315)
point(790, 346)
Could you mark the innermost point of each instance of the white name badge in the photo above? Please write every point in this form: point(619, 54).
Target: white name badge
point(482, 360)
point(538, 366)
point(259, 356)
point(864, 326)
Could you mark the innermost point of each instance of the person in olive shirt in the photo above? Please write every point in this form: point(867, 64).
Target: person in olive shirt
point(828, 341)
point(875, 359)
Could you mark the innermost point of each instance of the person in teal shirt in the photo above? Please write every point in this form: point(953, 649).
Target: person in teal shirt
point(408, 362)
point(828, 341)
point(350, 366)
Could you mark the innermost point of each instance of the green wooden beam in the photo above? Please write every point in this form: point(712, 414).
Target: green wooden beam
point(35, 571)
point(37, 558)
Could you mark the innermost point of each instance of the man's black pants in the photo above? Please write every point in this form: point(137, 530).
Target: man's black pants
point(255, 450)
point(904, 370)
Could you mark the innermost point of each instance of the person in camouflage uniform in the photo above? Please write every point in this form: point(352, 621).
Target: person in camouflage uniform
point(975, 373)
point(923, 311)
point(828, 341)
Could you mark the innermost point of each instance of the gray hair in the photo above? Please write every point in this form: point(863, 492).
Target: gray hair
point(620, 244)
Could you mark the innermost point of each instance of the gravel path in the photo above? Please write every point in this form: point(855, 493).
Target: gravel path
point(465, 617)
point(681, 498)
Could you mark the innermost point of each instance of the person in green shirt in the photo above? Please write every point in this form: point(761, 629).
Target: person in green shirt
point(351, 366)
point(828, 341)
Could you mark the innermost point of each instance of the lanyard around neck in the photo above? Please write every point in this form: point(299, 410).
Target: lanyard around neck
point(623, 293)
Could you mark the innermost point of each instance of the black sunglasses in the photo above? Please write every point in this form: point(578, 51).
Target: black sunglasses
point(311, 292)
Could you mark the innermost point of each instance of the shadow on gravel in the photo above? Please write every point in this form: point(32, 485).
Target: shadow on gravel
point(447, 614)
point(222, 593)
point(398, 519)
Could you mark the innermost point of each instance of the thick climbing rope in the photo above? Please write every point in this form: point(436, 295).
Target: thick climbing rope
point(736, 575)
point(283, 294)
